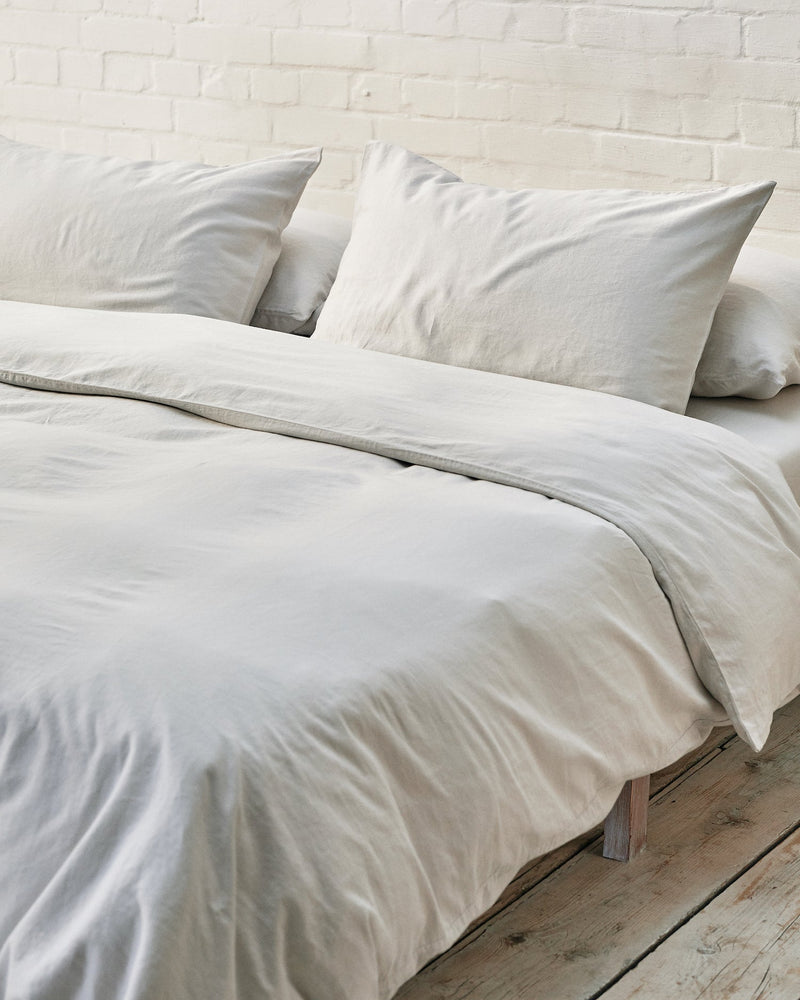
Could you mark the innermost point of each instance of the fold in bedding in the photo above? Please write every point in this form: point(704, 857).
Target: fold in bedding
point(307, 649)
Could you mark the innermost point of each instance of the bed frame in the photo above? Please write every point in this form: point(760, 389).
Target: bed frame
point(626, 825)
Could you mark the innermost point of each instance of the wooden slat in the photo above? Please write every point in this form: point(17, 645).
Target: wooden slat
point(744, 945)
point(625, 828)
point(590, 921)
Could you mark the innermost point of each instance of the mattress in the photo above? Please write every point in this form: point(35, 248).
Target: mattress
point(771, 424)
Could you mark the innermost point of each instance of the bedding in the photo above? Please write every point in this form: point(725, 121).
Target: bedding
point(307, 648)
point(607, 290)
point(107, 233)
point(311, 248)
point(773, 425)
point(753, 348)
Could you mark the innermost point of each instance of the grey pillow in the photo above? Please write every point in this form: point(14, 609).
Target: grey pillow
point(312, 246)
point(107, 233)
point(754, 346)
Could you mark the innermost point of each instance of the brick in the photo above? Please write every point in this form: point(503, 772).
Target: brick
point(322, 48)
point(483, 100)
point(675, 159)
point(77, 68)
point(325, 13)
point(432, 98)
point(431, 138)
point(538, 105)
point(129, 145)
point(708, 119)
point(269, 13)
point(79, 6)
point(511, 61)
point(172, 146)
point(223, 43)
point(275, 86)
point(683, 4)
point(767, 124)
point(540, 22)
point(321, 126)
point(37, 133)
point(430, 17)
point(126, 111)
point(176, 11)
point(598, 108)
point(718, 35)
point(127, 34)
point(226, 120)
point(46, 104)
point(741, 164)
point(36, 65)
point(428, 56)
point(484, 19)
point(376, 15)
point(554, 147)
point(753, 79)
point(641, 31)
point(6, 65)
point(646, 111)
point(773, 36)
point(754, 6)
point(40, 28)
point(225, 83)
point(174, 78)
point(375, 92)
point(221, 152)
point(324, 88)
point(123, 72)
point(35, 4)
point(85, 140)
point(133, 8)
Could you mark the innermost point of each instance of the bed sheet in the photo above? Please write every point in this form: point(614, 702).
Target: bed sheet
point(771, 424)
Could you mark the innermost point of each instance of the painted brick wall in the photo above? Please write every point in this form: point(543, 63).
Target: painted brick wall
point(654, 93)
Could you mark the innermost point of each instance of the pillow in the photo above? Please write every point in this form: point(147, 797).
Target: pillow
point(609, 290)
point(754, 345)
point(313, 244)
point(106, 233)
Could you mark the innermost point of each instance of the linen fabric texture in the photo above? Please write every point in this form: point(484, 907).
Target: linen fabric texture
point(753, 348)
point(607, 290)
point(108, 233)
point(281, 712)
point(311, 248)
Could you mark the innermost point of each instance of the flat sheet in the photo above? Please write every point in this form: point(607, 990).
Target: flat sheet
point(279, 717)
point(770, 424)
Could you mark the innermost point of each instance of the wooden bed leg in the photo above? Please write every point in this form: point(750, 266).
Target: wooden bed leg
point(626, 824)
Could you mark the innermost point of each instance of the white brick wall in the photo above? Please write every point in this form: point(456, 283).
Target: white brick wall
point(641, 93)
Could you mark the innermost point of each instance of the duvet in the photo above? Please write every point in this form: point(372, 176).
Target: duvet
point(306, 649)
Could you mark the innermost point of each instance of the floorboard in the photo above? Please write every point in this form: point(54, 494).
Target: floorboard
point(723, 842)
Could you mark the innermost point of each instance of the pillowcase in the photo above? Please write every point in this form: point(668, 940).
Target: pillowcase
point(608, 290)
point(754, 345)
point(107, 233)
point(313, 244)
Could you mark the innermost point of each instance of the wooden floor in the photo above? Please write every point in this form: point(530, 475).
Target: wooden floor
point(710, 910)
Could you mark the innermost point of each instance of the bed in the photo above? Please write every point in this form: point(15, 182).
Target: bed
point(310, 642)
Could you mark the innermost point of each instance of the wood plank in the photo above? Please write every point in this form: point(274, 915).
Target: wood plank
point(539, 868)
point(745, 944)
point(625, 828)
point(590, 921)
